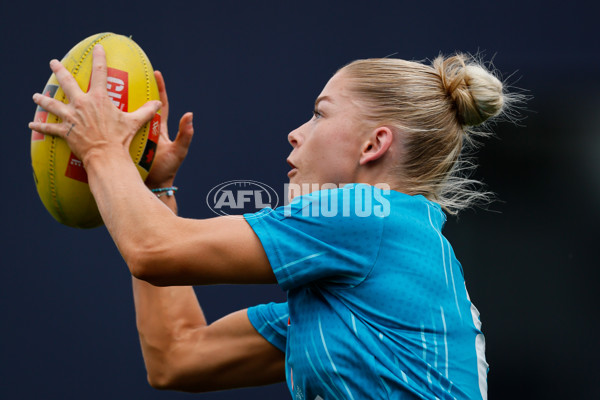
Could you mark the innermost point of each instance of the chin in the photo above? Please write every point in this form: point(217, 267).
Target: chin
point(293, 190)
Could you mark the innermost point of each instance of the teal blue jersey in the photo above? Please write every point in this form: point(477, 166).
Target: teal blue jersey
point(377, 306)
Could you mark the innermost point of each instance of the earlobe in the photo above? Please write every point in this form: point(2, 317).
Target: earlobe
point(377, 145)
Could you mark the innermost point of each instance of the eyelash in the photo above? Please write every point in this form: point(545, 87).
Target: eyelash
point(316, 113)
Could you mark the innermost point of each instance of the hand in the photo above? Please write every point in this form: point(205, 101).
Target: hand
point(170, 154)
point(91, 124)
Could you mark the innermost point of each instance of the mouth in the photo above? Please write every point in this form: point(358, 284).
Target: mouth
point(293, 170)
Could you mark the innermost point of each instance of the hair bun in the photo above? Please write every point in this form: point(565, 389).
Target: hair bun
point(476, 92)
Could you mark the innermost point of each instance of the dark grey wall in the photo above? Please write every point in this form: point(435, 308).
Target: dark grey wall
point(250, 71)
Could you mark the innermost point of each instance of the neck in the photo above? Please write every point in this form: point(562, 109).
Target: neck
point(378, 174)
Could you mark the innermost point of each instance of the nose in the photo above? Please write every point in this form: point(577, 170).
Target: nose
point(295, 138)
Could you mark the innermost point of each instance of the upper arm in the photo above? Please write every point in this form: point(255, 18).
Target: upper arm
point(301, 248)
point(200, 252)
point(229, 353)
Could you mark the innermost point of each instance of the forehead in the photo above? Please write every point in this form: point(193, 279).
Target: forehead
point(337, 89)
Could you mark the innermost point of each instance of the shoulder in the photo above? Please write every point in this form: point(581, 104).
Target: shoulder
point(349, 201)
point(331, 235)
point(416, 210)
point(334, 216)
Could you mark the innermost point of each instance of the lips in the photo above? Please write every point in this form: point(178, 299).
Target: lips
point(293, 170)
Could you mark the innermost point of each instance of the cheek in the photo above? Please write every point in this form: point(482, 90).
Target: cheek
point(336, 158)
point(344, 146)
point(328, 149)
point(333, 147)
point(338, 134)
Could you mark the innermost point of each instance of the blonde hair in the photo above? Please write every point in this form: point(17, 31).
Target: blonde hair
point(435, 108)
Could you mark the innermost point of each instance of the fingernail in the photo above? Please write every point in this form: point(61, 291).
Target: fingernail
point(35, 96)
point(53, 62)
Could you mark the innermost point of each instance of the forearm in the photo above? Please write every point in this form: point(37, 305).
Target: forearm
point(182, 352)
point(135, 218)
point(165, 317)
point(163, 314)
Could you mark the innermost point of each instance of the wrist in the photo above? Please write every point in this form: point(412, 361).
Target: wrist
point(102, 161)
point(168, 191)
point(167, 195)
point(157, 185)
point(98, 156)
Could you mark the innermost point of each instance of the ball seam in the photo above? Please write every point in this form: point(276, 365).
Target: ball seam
point(146, 128)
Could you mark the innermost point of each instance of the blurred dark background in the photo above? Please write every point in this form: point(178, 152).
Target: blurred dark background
point(250, 72)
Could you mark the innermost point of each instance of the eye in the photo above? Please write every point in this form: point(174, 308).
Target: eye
point(316, 114)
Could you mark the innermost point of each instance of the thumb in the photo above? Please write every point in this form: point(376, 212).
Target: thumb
point(185, 134)
point(146, 112)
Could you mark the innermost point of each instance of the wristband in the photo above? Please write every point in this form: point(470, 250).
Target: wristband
point(169, 191)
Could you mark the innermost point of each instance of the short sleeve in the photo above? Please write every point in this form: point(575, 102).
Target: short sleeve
point(271, 321)
point(321, 238)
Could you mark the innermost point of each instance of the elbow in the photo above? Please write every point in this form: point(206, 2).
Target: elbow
point(172, 376)
point(167, 382)
point(149, 256)
point(166, 379)
point(141, 269)
point(135, 255)
point(138, 263)
point(160, 381)
point(147, 265)
point(179, 366)
point(163, 372)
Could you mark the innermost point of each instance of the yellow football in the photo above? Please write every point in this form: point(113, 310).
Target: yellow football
point(59, 176)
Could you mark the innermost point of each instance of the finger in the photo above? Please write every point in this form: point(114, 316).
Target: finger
point(162, 92)
point(50, 104)
point(66, 81)
point(145, 113)
point(185, 134)
point(59, 130)
point(99, 69)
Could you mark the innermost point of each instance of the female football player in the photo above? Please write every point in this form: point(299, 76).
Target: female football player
point(377, 306)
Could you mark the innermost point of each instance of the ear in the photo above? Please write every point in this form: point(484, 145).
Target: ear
point(377, 145)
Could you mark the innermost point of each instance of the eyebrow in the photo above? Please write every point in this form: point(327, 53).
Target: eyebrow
point(325, 98)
